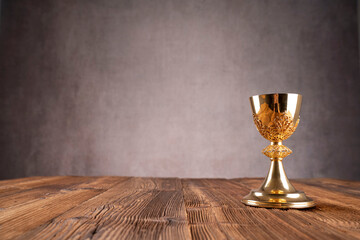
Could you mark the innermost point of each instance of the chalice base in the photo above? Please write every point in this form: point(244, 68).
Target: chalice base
point(258, 198)
point(277, 191)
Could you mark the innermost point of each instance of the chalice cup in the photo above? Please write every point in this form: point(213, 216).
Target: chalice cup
point(276, 117)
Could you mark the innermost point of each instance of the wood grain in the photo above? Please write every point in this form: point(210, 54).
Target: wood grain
point(336, 213)
point(35, 190)
point(170, 208)
point(136, 208)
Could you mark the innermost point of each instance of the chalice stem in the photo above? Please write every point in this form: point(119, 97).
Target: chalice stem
point(276, 181)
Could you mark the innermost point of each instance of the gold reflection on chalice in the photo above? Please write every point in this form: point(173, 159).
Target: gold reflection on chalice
point(276, 117)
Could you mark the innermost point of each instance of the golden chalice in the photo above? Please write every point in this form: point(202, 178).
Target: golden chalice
point(276, 117)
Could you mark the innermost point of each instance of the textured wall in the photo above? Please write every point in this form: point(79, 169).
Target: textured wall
point(160, 88)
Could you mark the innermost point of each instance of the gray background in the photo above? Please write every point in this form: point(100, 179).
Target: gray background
point(160, 88)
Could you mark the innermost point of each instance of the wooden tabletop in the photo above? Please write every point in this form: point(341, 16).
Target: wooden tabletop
point(157, 208)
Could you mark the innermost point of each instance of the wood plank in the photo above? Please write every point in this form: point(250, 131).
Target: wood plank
point(330, 212)
point(18, 180)
point(229, 218)
point(15, 221)
point(39, 190)
point(28, 182)
point(142, 208)
point(100, 183)
point(237, 221)
point(338, 208)
point(351, 188)
point(331, 196)
point(201, 216)
point(11, 187)
point(151, 208)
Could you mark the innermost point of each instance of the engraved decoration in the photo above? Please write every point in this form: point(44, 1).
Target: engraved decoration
point(277, 127)
point(276, 151)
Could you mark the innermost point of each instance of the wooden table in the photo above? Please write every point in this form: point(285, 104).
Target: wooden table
point(172, 208)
